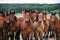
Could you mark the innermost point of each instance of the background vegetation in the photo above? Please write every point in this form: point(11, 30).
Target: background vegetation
point(19, 7)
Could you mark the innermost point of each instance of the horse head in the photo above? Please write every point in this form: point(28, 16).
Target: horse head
point(27, 16)
point(53, 19)
point(33, 15)
point(40, 17)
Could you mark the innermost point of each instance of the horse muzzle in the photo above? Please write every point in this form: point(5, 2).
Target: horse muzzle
point(34, 20)
point(39, 21)
point(27, 21)
point(44, 20)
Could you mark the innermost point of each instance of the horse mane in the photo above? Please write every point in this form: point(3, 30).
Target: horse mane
point(37, 18)
point(15, 18)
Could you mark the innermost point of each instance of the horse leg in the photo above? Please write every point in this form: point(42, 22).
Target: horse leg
point(1, 37)
point(46, 35)
point(17, 37)
point(5, 35)
point(36, 35)
point(41, 35)
point(57, 36)
point(30, 36)
point(1, 34)
point(27, 37)
point(24, 36)
point(12, 36)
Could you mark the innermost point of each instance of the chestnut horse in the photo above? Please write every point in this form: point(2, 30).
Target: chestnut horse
point(27, 26)
point(55, 26)
point(46, 24)
point(34, 18)
point(39, 26)
point(7, 18)
point(2, 26)
point(12, 25)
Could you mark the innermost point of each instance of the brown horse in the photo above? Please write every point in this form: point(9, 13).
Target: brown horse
point(46, 24)
point(27, 26)
point(33, 15)
point(55, 26)
point(7, 19)
point(34, 18)
point(12, 25)
point(39, 26)
point(2, 26)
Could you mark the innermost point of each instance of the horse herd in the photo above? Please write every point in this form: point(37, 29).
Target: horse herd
point(32, 24)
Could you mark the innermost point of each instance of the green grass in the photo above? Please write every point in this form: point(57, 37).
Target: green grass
point(21, 15)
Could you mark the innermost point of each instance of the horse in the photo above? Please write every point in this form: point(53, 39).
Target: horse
point(54, 26)
point(34, 18)
point(33, 15)
point(12, 25)
point(18, 31)
point(46, 24)
point(2, 26)
point(39, 26)
point(27, 26)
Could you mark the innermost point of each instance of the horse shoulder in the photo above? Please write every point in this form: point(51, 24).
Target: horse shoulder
point(57, 24)
point(23, 25)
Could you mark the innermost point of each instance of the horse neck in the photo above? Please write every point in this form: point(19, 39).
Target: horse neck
point(7, 18)
point(1, 16)
point(13, 22)
point(41, 25)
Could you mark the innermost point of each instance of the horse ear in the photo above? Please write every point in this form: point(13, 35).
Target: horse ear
point(1, 12)
point(12, 12)
point(39, 12)
point(26, 10)
point(33, 11)
point(7, 13)
point(53, 13)
point(44, 12)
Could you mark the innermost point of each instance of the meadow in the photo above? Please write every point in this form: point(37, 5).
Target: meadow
point(21, 15)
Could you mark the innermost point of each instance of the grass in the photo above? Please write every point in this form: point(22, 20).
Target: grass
point(21, 15)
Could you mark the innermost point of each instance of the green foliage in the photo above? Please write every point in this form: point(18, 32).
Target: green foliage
point(19, 7)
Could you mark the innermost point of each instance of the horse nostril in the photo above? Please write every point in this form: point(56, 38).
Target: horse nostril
point(27, 21)
point(34, 20)
point(44, 20)
point(39, 21)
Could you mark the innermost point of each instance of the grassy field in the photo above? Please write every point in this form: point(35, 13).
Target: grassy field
point(21, 15)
